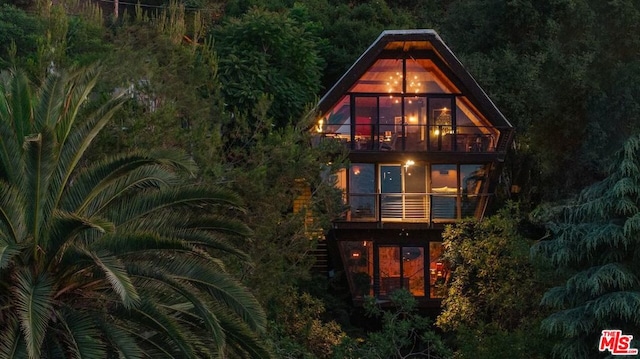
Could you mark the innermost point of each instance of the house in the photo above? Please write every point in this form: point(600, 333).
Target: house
point(426, 146)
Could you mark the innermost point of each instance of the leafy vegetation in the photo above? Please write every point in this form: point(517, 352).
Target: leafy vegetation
point(594, 240)
point(227, 87)
point(107, 260)
point(404, 333)
point(492, 305)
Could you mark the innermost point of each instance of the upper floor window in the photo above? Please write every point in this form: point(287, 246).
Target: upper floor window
point(403, 76)
point(407, 105)
point(414, 192)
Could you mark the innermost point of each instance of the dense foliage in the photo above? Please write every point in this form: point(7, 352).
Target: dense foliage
point(594, 240)
point(228, 85)
point(109, 259)
point(493, 301)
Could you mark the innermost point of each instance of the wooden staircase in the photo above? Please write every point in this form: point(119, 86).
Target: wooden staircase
point(321, 254)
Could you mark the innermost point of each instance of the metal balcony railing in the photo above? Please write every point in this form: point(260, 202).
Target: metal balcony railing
point(440, 138)
point(413, 207)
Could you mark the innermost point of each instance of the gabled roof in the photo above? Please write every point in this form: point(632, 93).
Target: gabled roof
point(412, 40)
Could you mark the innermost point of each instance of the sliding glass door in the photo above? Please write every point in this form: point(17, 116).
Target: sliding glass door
point(403, 192)
point(401, 268)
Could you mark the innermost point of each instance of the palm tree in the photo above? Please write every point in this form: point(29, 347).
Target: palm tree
point(118, 258)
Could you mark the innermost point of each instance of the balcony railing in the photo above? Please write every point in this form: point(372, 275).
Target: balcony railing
point(413, 207)
point(420, 138)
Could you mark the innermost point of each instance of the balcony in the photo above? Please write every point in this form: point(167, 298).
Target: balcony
point(420, 139)
point(437, 207)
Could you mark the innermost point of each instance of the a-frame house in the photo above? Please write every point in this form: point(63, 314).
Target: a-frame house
point(425, 149)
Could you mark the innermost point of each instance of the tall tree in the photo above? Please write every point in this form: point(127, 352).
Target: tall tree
point(492, 307)
point(594, 241)
point(118, 258)
point(267, 53)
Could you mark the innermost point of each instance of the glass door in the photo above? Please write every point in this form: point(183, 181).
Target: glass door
point(401, 268)
point(391, 188)
point(366, 120)
point(442, 124)
point(415, 188)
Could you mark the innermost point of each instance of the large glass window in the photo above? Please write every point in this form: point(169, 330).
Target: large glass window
point(413, 269)
point(438, 271)
point(391, 191)
point(357, 257)
point(385, 76)
point(407, 104)
point(401, 268)
point(366, 118)
point(390, 124)
point(410, 191)
point(471, 180)
point(381, 270)
point(403, 191)
point(389, 270)
point(362, 191)
point(441, 124)
point(337, 122)
point(444, 189)
point(424, 77)
point(415, 109)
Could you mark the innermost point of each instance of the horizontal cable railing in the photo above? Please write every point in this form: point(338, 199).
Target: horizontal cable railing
point(420, 207)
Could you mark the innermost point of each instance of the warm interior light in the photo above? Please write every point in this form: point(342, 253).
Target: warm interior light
point(319, 126)
point(356, 170)
point(413, 119)
point(443, 122)
point(409, 163)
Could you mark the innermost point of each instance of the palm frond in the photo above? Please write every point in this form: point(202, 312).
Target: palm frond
point(222, 288)
point(243, 341)
point(218, 224)
point(120, 190)
point(208, 240)
point(201, 308)
point(33, 297)
point(118, 277)
point(39, 167)
point(82, 337)
point(12, 204)
point(7, 252)
point(64, 228)
point(50, 101)
point(136, 243)
point(123, 343)
point(11, 153)
point(149, 315)
point(20, 104)
point(154, 202)
point(92, 180)
point(12, 344)
point(82, 82)
point(76, 145)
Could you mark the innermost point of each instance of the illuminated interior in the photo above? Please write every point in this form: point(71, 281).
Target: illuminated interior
point(412, 191)
point(423, 142)
point(399, 267)
point(410, 107)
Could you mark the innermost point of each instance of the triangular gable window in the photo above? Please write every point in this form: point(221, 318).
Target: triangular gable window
point(395, 76)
